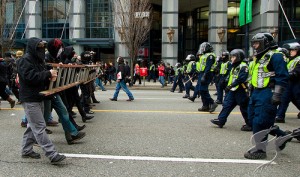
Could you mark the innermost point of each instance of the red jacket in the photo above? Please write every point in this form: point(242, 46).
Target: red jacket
point(161, 71)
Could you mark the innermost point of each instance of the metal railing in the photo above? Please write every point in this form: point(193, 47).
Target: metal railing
point(70, 75)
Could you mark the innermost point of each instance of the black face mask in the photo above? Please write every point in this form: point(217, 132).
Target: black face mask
point(40, 52)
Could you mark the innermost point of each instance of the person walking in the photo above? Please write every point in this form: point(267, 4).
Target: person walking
point(269, 80)
point(121, 75)
point(237, 93)
point(33, 77)
point(161, 74)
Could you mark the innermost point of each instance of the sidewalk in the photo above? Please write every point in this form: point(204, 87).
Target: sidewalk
point(150, 86)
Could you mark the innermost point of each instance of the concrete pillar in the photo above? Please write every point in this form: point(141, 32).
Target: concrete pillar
point(217, 20)
point(77, 23)
point(33, 19)
point(265, 22)
point(169, 50)
point(120, 48)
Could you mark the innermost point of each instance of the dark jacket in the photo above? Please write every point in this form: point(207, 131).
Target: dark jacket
point(3, 71)
point(33, 75)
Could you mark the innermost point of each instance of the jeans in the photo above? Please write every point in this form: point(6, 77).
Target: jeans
point(161, 80)
point(98, 82)
point(122, 85)
point(62, 113)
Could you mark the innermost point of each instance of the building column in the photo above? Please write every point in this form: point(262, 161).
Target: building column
point(169, 50)
point(216, 23)
point(77, 23)
point(33, 19)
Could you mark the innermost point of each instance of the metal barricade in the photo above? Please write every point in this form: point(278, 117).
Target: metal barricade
point(69, 76)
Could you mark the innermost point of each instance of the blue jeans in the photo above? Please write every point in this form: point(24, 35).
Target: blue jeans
point(122, 85)
point(62, 113)
point(161, 80)
point(98, 82)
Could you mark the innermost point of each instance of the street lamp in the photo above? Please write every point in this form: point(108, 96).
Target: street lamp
point(221, 33)
point(170, 34)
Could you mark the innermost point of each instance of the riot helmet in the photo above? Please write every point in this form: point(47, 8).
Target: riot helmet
point(239, 54)
point(205, 47)
point(190, 57)
point(285, 51)
point(177, 65)
point(265, 41)
point(273, 43)
point(225, 56)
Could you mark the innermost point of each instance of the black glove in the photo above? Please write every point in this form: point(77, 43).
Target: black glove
point(276, 98)
point(227, 89)
point(292, 75)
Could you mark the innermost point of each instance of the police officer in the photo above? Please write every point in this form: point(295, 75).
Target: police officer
point(236, 90)
point(151, 72)
point(225, 67)
point(269, 79)
point(291, 94)
point(206, 66)
point(178, 78)
point(191, 72)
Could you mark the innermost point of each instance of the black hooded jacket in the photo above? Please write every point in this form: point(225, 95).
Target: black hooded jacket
point(33, 75)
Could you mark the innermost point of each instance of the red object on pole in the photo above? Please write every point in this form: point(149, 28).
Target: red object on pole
point(143, 72)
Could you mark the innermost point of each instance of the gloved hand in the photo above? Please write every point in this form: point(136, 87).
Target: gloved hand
point(227, 89)
point(276, 98)
point(203, 79)
point(292, 75)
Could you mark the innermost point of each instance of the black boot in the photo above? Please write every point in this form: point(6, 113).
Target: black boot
point(203, 109)
point(11, 102)
point(192, 99)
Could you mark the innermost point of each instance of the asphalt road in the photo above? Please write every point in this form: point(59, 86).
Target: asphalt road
point(158, 134)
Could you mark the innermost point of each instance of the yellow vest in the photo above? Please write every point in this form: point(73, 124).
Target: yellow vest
point(234, 74)
point(202, 62)
point(260, 73)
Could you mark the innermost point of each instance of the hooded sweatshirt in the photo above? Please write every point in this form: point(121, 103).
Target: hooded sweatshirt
point(33, 75)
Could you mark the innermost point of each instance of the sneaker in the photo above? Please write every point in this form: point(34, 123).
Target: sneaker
point(79, 128)
point(186, 96)
point(217, 122)
point(32, 155)
point(203, 109)
point(23, 124)
point(130, 99)
point(79, 136)
point(52, 123)
point(279, 120)
point(259, 154)
point(246, 128)
point(192, 98)
point(58, 158)
point(113, 99)
point(213, 107)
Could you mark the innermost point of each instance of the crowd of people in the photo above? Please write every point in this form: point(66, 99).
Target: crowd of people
point(263, 87)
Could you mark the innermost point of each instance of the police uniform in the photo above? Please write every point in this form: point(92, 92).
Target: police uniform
point(190, 71)
point(236, 91)
point(292, 93)
point(225, 68)
point(178, 78)
point(269, 79)
point(206, 66)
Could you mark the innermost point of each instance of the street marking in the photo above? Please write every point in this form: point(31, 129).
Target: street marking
point(167, 159)
point(147, 111)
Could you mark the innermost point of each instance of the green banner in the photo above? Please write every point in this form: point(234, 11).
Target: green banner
point(242, 12)
point(249, 11)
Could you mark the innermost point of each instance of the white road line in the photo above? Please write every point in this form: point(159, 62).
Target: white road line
point(167, 159)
